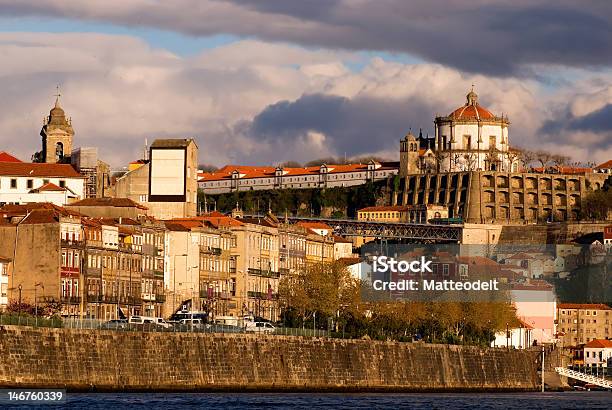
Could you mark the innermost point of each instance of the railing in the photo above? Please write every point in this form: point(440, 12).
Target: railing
point(160, 298)
point(587, 378)
point(215, 295)
point(71, 300)
point(211, 250)
point(262, 272)
point(261, 295)
point(72, 243)
point(94, 244)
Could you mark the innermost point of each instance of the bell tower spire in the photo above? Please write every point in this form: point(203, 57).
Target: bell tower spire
point(57, 134)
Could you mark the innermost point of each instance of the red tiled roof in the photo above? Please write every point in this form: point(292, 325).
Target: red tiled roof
point(214, 213)
point(40, 216)
point(477, 260)
point(566, 170)
point(600, 343)
point(591, 306)
point(314, 225)
point(399, 208)
point(225, 173)
point(475, 111)
point(340, 239)
point(605, 165)
point(48, 187)
point(38, 170)
point(6, 157)
point(23, 209)
point(114, 202)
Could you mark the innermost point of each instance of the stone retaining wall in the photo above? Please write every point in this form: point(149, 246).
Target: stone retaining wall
point(108, 360)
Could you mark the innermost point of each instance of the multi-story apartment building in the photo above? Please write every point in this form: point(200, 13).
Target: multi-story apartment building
point(152, 282)
point(92, 267)
point(292, 248)
point(580, 323)
point(217, 271)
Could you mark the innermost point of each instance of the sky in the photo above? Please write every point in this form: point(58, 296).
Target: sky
point(268, 81)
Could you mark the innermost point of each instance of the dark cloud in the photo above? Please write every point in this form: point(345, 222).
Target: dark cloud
point(565, 126)
point(492, 37)
point(352, 126)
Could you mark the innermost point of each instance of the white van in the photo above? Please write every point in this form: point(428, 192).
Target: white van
point(226, 320)
point(195, 323)
point(259, 327)
point(142, 320)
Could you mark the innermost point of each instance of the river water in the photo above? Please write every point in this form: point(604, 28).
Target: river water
point(565, 400)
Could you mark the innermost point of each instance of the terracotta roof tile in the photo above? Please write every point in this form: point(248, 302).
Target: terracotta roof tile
point(314, 225)
point(114, 202)
point(599, 343)
point(6, 157)
point(591, 306)
point(48, 187)
point(605, 165)
point(38, 170)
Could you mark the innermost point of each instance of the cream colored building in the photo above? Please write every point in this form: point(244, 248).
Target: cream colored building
point(167, 184)
point(581, 323)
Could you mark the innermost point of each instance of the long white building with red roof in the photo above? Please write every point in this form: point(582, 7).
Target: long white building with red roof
point(233, 178)
point(24, 182)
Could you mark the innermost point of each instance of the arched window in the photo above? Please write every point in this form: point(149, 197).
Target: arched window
point(59, 151)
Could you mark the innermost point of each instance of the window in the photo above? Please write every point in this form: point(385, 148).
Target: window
point(492, 142)
point(13, 183)
point(30, 183)
point(467, 141)
point(62, 183)
point(45, 181)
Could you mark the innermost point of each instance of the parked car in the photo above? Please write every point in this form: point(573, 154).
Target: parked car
point(192, 323)
point(148, 320)
point(219, 328)
point(115, 324)
point(260, 327)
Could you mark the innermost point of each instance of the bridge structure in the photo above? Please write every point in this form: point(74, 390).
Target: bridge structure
point(587, 378)
point(427, 233)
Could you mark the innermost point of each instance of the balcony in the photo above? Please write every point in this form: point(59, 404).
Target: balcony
point(160, 298)
point(69, 243)
point(125, 247)
point(210, 250)
point(215, 295)
point(261, 295)
point(70, 300)
point(93, 244)
point(264, 273)
point(92, 272)
point(158, 273)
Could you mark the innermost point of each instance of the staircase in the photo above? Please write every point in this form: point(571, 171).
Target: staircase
point(587, 378)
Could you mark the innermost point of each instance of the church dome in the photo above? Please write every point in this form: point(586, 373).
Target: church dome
point(472, 110)
point(57, 111)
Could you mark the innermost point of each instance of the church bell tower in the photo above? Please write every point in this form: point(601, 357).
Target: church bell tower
point(57, 134)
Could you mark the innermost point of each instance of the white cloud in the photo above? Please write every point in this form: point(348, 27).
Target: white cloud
point(119, 90)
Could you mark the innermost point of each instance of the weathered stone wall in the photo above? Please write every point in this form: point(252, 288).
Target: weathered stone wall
point(562, 232)
point(108, 360)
